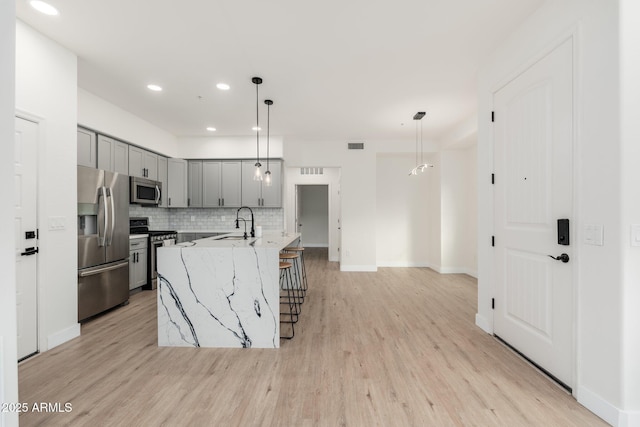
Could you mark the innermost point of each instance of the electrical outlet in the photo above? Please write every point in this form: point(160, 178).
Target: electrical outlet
point(223, 218)
point(193, 218)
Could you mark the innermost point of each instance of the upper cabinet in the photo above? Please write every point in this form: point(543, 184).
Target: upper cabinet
point(143, 163)
point(258, 193)
point(195, 184)
point(163, 177)
point(215, 183)
point(113, 155)
point(177, 177)
point(87, 148)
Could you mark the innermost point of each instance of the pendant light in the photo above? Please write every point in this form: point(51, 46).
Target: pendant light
point(257, 176)
point(422, 165)
point(267, 174)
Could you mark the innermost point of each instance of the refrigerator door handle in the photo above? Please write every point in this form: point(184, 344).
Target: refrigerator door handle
point(93, 272)
point(157, 195)
point(113, 215)
point(103, 239)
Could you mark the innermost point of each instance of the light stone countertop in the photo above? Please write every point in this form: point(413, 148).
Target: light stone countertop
point(269, 239)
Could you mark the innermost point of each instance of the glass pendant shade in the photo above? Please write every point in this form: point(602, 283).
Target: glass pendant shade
point(267, 178)
point(257, 176)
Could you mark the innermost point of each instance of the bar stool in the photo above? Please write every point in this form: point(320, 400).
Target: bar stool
point(286, 284)
point(300, 251)
point(293, 258)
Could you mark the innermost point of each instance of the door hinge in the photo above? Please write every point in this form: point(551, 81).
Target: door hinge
point(493, 116)
point(493, 303)
point(493, 240)
point(493, 178)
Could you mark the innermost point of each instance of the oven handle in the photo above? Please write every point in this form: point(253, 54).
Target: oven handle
point(103, 269)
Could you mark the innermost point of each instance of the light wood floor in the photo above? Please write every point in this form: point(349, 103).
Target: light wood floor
point(394, 348)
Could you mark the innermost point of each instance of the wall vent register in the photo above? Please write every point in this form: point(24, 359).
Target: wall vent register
point(311, 171)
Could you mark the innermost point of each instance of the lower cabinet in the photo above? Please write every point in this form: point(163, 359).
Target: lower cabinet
point(137, 262)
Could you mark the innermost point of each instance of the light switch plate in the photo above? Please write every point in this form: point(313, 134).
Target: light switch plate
point(57, 223)
point(635, 234)
point(594, 234)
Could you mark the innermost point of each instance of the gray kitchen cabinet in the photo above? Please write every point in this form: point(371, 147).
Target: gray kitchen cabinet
point(143, 163)
point(221, 183)
point(231, 189)
point(257, 193)
point(177, 178)
point(137, 262)
point(272, 195)
point(211, 185)
point(87, 149)
point(113, 155)
point(195, 184)
point(163, 178)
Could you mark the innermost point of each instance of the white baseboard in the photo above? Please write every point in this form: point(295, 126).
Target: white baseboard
point(403, 264)
point(63, 336)
point(483, 323)
point(600, 407)
point(346, 267)
point(315, 245)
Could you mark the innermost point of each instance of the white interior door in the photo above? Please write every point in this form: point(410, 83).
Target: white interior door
point(26, 139)
point(533, 189)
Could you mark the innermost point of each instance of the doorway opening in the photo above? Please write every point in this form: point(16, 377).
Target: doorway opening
point(312, 214)
point(312, 198)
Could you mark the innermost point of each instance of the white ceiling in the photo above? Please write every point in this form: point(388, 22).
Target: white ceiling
point(338, 69)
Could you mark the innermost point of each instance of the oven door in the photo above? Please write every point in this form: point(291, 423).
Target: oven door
point(152, 280)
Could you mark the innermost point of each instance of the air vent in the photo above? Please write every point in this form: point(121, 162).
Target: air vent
point(311, 171)
point(355, 145)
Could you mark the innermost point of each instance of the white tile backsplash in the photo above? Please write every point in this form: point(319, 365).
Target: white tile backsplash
point(207, 219)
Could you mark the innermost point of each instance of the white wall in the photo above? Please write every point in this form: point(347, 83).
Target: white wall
point(358, 190)
point(403, 211)
point(459, 211)
point(314, 214)
point(330, 178)
point(229, 148)
point(599, 283)
point(46, 89)
point(358, 183)
point(109, 119)
point(8, 328)
point(630, 189)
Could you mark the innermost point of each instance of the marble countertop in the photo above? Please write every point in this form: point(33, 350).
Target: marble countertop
point(271, 239)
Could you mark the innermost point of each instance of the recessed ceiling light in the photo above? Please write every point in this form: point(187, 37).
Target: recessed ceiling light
point(43, 7)
point(154, 88)
point(256, 128)
point(210, 129)
point(223, 86)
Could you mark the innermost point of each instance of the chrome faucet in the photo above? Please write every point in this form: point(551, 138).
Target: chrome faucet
point(253, 230)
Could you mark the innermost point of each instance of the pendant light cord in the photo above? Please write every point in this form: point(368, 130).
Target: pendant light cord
point(257, 129)
point(268, 122)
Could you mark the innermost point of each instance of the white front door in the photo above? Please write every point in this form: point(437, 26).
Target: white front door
point(26, 140)
point(533, 189)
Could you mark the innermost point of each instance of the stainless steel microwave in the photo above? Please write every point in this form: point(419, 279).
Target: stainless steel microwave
point(145, 191)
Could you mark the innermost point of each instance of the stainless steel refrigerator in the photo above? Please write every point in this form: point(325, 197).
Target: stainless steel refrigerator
point(103, 240)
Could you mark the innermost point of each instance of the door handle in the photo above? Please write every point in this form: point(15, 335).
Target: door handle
point(563, 257)
point(29, 251)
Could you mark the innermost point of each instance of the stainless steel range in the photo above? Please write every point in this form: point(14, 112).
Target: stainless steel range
point(157, 239)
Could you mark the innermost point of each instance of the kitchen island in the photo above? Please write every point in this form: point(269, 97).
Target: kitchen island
point(221, 291)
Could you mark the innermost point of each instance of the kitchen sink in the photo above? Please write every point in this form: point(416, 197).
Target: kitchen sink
point(231, 238)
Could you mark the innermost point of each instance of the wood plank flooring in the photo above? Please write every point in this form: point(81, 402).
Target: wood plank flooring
point(394, 348)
